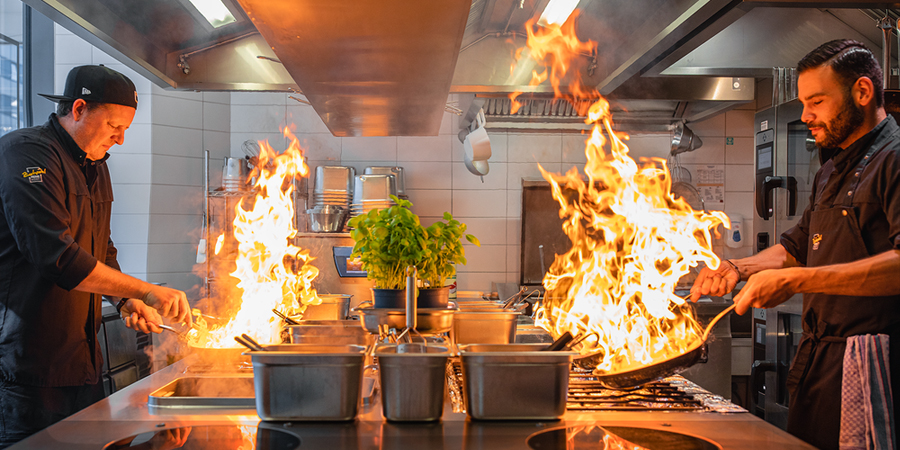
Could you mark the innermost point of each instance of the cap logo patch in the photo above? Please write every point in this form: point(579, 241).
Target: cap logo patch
point(85, 91)
point(34, 174)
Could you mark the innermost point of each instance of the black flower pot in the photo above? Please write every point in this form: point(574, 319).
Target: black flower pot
point(389, 298)
point(433, 297)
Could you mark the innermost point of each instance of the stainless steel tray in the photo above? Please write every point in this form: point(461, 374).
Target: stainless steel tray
point(346, 332)
point(484, 327)
point(308, 382)
point(515, 381)
point(234, 392)
point(412, 384)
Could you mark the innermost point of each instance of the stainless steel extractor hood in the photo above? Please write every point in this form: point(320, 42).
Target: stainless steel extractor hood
point(386, 68)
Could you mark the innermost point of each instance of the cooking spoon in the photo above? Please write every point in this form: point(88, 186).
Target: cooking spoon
point(247, 344)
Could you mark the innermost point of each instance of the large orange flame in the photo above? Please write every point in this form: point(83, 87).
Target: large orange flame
point(272, 271)
point(631, 239)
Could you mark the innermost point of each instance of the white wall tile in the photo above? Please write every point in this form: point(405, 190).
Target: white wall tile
point(513, 259)
point(218, 143)
point(513, 231)
point(430, 148)
point(176, 199)
point(514, 203)
point(177, 112)
point(427, 175)
point(216, 117)
point(369, 149)
point(742, 152)
point(176, 141)
point(187, 282)
point(137, 140)
point(141, 84)
point(129, 168)
point(573, 146)
point(218, 97)
point(100, 57)
point(712, 127)
point(131, 199)
point(320, 146)
point(489, 231)
point(487, 258)
point(534, 147)
point(259, 98)
point(304, 119)
point(739, 123)
point(175, 229)
point(712, 152)
point(739, 202)
point(478, 281)
point(60, 71)
point(649, 146)
point(178, 170)
point(129, 228)
point(430, 202)
point(516, 172)
point(739, 178)
point(132, 257)
point(71, 49)
point(495, 179)
point(275, 139)
point(257, 118)
point(479, 203)
point(171, 258)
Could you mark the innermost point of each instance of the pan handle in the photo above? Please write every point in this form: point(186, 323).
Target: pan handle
point(716, 319)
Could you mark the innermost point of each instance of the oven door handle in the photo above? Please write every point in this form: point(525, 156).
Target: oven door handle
point(770, 183)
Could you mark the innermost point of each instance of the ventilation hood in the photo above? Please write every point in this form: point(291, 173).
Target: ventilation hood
point(386, 68)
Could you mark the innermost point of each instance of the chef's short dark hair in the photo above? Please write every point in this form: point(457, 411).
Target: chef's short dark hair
point(850, 60)
point(65, 107)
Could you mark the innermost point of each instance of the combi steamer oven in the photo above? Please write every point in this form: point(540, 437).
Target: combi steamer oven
point(786, 161)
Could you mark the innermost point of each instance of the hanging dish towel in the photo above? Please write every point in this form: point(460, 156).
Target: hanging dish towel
point(867, 416)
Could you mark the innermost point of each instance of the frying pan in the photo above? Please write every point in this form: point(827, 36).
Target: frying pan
point(652, 372)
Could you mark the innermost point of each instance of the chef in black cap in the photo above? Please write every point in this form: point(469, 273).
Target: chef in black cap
point(57, 258)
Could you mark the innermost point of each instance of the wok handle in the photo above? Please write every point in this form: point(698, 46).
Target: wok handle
point(716, 319)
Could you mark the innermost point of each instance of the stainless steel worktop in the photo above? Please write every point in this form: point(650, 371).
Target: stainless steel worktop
point(126, 413)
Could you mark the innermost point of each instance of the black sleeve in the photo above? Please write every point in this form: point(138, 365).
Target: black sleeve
point(35, 209)
point(796, 240)
point(889, 191)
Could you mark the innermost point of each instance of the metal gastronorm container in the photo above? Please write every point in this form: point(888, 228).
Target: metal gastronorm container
point(412, 384)
point(515, 381)
point(343, 332)
point(484, 327)
point(308, 382)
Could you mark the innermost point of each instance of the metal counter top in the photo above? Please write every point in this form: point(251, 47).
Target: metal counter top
point(126, 413)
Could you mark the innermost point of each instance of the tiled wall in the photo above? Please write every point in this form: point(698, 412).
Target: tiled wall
point(438, 181)
point(157, 173)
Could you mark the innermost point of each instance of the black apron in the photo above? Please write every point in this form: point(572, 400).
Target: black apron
point(814, 381)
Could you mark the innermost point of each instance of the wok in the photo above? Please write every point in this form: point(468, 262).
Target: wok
point(660, 369)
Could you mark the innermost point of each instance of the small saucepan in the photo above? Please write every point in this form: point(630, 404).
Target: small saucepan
point(660, 369)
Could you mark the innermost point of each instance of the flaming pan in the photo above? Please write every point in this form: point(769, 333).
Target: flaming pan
point(643, 375)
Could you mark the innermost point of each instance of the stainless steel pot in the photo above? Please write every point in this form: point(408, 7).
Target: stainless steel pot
point(428, 320)
point(333, 307)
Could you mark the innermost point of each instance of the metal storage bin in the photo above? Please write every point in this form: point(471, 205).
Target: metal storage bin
point(308, 382)
point(515, 381)
point(484, 327)
point(333, 307)
point(412, 384)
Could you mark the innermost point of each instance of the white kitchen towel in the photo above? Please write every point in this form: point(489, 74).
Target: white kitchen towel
point(867, 416)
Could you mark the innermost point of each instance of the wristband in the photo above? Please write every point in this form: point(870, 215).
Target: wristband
point(120, 305)
point(733, 266)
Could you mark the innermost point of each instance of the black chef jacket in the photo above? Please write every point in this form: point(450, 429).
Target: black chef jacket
point(854, 213)
point(54, 226)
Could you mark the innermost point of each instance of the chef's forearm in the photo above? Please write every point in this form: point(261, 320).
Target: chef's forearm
point(776, 257)
point(872, 276)
point(108, 281)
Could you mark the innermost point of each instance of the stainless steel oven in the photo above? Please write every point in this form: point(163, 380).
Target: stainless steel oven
point(785, 166)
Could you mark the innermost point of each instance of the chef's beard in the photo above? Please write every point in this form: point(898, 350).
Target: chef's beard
point(837, 130)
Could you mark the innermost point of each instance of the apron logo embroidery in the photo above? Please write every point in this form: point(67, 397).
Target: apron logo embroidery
point(34, 174)
point(816, 239)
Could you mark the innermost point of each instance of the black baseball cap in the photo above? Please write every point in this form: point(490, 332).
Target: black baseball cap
point(97, 84)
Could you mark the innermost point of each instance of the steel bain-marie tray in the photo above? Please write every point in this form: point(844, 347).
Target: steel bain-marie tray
point(224, 392)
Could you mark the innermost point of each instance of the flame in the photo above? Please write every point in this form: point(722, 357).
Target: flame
point(631, 238)
point(248, 436)
point(557, 46)
point(272, 271)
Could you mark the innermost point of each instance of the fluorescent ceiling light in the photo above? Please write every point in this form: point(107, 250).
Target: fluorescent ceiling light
point(215, 12)
point(557, 12)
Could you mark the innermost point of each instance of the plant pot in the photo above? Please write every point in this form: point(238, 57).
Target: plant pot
point(433, 297)
point(389, 298)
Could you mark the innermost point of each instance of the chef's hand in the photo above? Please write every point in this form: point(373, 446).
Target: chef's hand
point(141, 317)
point(717, 282)
point(171, 303)
point(765, 289)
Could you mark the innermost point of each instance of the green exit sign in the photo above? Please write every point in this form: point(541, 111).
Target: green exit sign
point(729, 141)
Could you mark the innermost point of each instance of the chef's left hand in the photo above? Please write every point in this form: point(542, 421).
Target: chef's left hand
point(765, 289)
point(141, 317)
